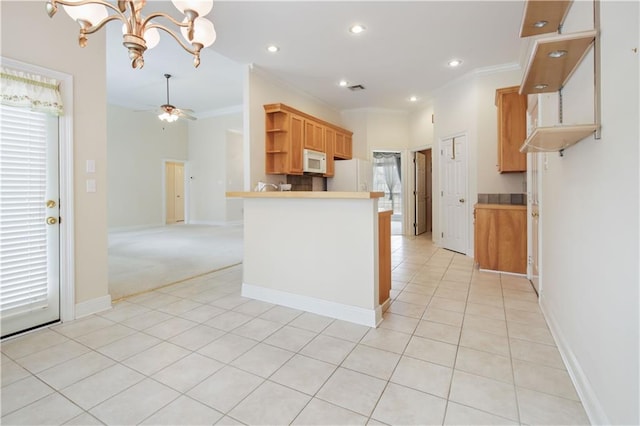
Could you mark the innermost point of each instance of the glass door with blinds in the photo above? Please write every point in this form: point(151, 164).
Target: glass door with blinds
point(29, 216)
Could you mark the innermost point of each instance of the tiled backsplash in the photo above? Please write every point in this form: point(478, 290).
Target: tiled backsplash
point(516, 199)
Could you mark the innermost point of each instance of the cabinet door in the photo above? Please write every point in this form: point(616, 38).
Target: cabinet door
point(296, 140)
point(330, 144)
point(512, 233)
point(343, 146)
point(486, 236)
point(512, 129)
point(313, 136)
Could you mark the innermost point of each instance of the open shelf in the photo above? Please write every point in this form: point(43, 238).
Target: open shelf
point(556, 138)
point(550, 11)
point(554, 72)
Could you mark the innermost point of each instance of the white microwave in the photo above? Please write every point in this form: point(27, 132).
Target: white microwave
point(314, 162)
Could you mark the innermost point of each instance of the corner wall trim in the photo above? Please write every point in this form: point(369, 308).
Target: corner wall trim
point(93, 306)
point(362, 316)
point(590, 402)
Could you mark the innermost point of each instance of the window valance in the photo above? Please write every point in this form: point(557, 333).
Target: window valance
point(28, 90)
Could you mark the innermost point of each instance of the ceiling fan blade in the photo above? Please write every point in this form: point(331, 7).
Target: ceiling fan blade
point(183, 114)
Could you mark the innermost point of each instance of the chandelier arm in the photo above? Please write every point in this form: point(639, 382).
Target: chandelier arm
point(83, 2)
point(196, 47)
point(92, 29)
point(170, 18)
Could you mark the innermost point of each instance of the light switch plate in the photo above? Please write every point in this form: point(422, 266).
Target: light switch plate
point(91, 166)
point(91, 185)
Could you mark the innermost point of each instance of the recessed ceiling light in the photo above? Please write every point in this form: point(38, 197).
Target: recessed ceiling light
point(540, 86)
point(455, 62)
point(557, 53)
point(413, 98)
point(273, 48)
point(540, 24)
point(343, 83)
point(357, 29)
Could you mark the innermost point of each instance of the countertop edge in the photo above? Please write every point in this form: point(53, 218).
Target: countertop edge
point(306, 195)
point(501, 206)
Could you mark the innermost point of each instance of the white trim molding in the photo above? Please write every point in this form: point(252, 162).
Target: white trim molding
point(368, 317)
point(587, 394)
point(93, 306)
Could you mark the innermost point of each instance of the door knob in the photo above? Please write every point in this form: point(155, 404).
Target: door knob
point(462, 200)
point(51, 204)
point(51, 220)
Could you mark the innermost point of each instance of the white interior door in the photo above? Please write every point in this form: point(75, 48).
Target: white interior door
point(453, 194)
point(534, 184)
point(29, 220)
point(421, 193)
point(179, 191)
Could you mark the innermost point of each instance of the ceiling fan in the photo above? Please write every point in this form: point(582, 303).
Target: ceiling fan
point(169, 112)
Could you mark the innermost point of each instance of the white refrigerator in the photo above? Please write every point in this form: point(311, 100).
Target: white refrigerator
point(351, 176)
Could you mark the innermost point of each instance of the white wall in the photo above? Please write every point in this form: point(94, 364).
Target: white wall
point(138, 144)
point(590, 229)
point(421, 128)
point(55, 46)
point(264, 89)
point(235, 174)
point(213, 168)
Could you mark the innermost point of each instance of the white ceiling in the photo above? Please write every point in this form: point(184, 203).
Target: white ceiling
point(403, 52)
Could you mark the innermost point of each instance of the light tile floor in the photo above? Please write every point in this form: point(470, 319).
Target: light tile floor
point(457, 346)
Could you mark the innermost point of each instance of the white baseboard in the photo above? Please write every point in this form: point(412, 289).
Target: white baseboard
point(216, 223)
point(355, 314)
point(590, 402)
point(93, 306)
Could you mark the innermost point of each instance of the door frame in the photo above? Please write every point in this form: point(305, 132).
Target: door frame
point(469, 228)
point(66, 185)
point(185, 165)
point(411, 206)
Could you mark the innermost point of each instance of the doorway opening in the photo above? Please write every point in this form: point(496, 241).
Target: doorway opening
point(423, 193)
point(174, 187)
point(387, 178)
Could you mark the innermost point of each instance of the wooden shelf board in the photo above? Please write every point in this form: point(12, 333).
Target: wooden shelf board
point(556, 138)
point(552, 11)
point(554, 72)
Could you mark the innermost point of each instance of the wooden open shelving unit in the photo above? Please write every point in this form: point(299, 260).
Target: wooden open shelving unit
point(547, 73)
point(555, 72)
point(550, 11)
point(556, 138)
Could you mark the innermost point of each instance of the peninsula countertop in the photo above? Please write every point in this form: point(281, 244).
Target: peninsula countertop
point(307, 194)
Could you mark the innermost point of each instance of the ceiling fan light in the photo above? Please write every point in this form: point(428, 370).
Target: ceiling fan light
point(203, 32)
point(93, 13)
point(201, 6)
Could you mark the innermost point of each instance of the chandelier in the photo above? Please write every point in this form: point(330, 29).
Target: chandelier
point(139, 32)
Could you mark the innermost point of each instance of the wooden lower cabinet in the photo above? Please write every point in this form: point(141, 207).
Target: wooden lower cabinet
point(384, 256)
point(501, 237)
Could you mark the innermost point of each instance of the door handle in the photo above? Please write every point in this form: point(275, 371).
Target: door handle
point(51, 220)
point(462, 200)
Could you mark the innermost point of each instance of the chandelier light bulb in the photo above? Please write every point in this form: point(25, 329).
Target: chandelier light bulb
point(201, 6)
point(203, 32)
point(152, 37)
point(93, 13)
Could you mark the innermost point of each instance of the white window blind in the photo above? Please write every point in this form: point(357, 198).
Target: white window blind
point(23, 236)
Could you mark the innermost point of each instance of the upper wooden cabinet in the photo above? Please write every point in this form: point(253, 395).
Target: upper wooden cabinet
point(314, 135)
point(344, 149)
point(512, 129)
point(289, 131)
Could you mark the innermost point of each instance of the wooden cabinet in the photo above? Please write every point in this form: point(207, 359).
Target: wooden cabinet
point(501, 237)
point(283, 142)
point(330, 145)
point(289, 131)
point(343, 149)
point(384, 257)
point(314, 135)
point(512, 129)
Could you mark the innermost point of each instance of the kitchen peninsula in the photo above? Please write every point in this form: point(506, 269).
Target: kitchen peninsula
point(316, 251)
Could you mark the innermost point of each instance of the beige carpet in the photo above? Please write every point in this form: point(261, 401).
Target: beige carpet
point(149, 258)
